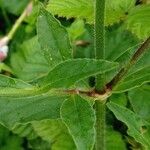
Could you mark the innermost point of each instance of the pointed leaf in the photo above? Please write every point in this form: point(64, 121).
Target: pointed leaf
point(69, 72)
point(53, 38)
point(137, 128)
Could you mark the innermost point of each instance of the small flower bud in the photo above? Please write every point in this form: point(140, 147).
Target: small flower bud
point(3, 52)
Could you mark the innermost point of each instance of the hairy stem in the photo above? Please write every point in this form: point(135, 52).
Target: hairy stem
point(132, 61)
point(17, 24)
point(99, 40)
point(100, 125)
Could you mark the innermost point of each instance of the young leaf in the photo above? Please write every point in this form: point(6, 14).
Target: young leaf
point(140, 102)
point(137, 128)
point(138, 21)
point(69, 72)
point(79, 117)
point(53, 38)
point(55, 132)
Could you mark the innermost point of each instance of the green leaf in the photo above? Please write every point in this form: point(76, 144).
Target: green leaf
point(69, 72)
point(4, 67)
point(120, 99)
point(137, 128)
point(76, 29)
point(139, 99)
point(14, 6)
point(9, 141)
point(8, 82)
point(79, 9)
point(24, 130)
point(138, 21)
point(53, 39)
point(139, 74)
point(55, 132)
point(115, 9)
point(120, 44)
point(79, 117)
point(114, 137)
point(25, 109)
point(28, 62)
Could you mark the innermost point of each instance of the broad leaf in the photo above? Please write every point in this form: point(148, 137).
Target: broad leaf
point(11, 87)
point(115, 9)
point(137, 128)
point(55, 132)
point(25, 109)
point(53, 38)
point(8, 82)
point(140, 102)
point(28, 62)
point(138, 21)
point(79, 9)
point(79, 117)
point(69, 72)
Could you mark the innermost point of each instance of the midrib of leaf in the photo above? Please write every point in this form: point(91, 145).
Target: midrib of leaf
point(77, 114)
point(56, 42)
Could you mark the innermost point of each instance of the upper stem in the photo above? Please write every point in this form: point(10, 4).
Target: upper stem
point(99, 39)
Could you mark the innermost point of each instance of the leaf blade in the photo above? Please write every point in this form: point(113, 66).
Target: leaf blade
point(79, 117)
point(53, 38)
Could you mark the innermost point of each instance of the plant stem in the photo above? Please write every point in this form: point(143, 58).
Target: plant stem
point(19, 21)
point(99, 40)
point(132, 61)
point(100, 125)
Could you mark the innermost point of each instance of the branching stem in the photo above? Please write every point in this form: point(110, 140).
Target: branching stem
point(132, 61)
